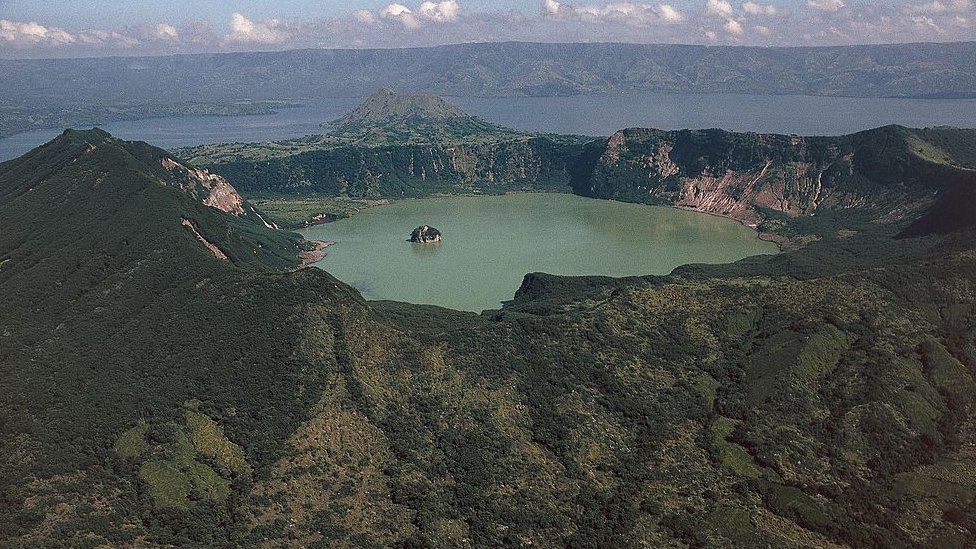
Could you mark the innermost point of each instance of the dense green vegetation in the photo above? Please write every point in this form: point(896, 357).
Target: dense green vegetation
point(536, 163)
point(295, 212)
point(156, 394)
point(116, 316)
point(393, 146)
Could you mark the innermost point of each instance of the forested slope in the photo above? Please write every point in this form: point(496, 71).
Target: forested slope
point(160, 395)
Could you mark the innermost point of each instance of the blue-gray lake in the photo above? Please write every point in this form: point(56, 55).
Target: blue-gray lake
point(582, 114)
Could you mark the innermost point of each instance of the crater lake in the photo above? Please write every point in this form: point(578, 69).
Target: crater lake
point(491, 242)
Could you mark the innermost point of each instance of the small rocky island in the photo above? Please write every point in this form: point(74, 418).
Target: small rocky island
point(425, 234)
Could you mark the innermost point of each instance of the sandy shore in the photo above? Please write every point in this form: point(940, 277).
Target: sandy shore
point(772, 238)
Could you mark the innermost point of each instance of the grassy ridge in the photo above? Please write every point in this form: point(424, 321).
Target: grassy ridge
point(115, 315)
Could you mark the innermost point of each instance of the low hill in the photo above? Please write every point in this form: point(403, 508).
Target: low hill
point(386, 105)
point(157, 394)
point(389, 118)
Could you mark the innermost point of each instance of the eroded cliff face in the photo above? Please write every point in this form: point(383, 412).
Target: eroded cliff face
point(210, 188)
point(745, 176)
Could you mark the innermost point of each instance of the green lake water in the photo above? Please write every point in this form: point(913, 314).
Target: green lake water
point(491, 242)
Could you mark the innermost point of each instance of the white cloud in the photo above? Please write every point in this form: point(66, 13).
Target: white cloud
point(733, 27)
point(33, 33)
point(627, 13)
point(719, 8)
point(106, 38)
point(401, 13)
point(402, 23)
point(825, 5)
point(939, 16)
point(724, 9)
point(754, 8)
point(165, 31)
point(244, 30)
point(440, 12)
point(925, 21)
point(445, 11)
point(931, 7)
point(937, 7)
point(395, 10)
point(670, 14)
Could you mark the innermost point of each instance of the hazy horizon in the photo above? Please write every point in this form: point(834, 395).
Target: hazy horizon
point(102, 28)
point(461, 44)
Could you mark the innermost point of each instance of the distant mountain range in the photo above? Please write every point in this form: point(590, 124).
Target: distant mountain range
point(498, 69)
point(84, 92)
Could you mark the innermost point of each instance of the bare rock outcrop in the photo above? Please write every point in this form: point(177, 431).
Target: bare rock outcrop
point(210, 188)
point(748, 176)
point(425, 234)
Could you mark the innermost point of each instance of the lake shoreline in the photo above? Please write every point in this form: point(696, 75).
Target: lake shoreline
point(772, 238)
point(369, 203)
point(308, 258)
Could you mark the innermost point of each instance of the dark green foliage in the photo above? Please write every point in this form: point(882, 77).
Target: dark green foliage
point(954, 211)
point(537, 163)
point(114, 313)
point(820, 396)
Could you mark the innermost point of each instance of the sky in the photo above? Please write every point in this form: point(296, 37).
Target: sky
point(74, 28)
